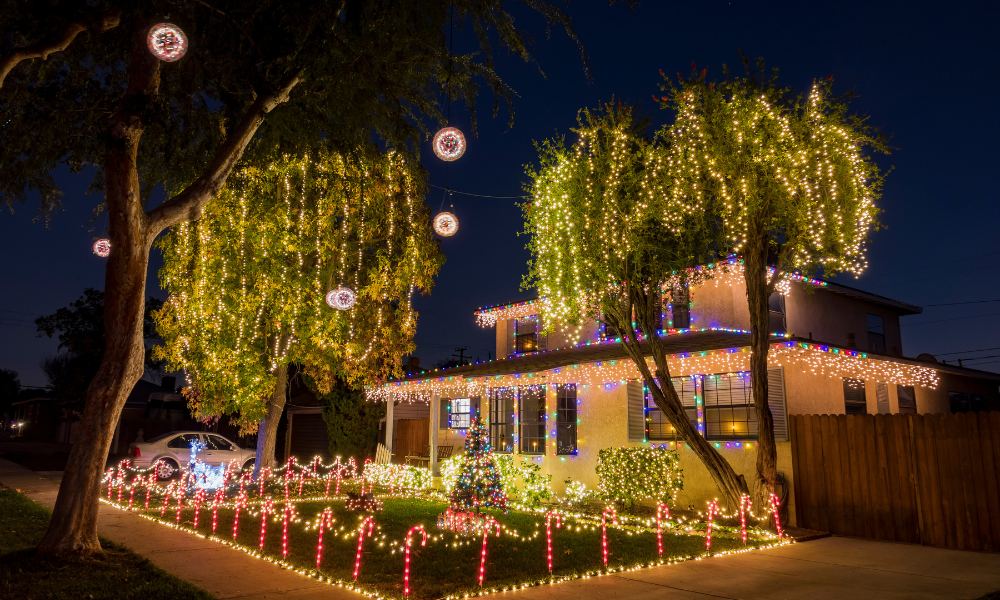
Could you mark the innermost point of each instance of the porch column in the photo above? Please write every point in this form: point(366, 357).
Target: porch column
point(435, 425)
point(389, 422)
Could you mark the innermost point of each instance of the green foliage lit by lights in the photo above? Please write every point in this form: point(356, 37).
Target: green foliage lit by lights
point(628, 476)
point(247, 280)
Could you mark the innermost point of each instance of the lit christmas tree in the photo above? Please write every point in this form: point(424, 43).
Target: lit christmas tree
point(479, 485)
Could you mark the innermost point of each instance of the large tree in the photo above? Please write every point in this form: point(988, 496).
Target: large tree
point(791, 179)
point(248, 281)
point(79, 87)
point(604, 239)
point(79, 327)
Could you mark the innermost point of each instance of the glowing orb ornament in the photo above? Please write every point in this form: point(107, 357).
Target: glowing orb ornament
point(341, 298)
point(167, 42)
point(445, 224)
point(449, 144)
point(102, 247)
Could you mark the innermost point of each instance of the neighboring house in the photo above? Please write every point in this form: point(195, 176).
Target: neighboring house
point(561, 399)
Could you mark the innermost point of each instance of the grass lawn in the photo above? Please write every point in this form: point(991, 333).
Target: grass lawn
point(117, 573)
point(449, 564)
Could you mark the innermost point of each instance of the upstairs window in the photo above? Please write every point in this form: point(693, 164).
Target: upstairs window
point(907, 399)
point(526, 335)
point(876, 333)
point(776, 313)
point(854, 397)
point(680, 307)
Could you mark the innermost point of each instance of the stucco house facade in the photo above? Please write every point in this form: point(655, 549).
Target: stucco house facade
point(560, 399)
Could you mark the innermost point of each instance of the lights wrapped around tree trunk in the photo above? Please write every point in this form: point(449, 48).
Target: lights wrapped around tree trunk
point(102, 247)
point(449, 144)
point(445, 224)
point(342, 298)
point(167, 42)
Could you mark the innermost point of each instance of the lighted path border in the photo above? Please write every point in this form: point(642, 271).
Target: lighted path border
point(354, 587)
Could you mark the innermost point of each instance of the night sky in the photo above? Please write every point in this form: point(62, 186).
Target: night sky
point(927, 77)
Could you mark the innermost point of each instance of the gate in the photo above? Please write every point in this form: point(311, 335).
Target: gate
point(927, 479)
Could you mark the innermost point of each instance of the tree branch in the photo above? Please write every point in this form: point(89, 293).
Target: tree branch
point(43, 50)
point(190, 201)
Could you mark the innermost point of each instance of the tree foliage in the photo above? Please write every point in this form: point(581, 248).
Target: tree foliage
point(791, 180)
point(605, 236)
point(79, 327)
point(352, 422)
point(247, 280)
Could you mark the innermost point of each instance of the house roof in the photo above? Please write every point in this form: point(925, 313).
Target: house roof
point(687, 343)
point(903, 308)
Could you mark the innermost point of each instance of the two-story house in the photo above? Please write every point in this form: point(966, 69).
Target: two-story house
point(561, 397)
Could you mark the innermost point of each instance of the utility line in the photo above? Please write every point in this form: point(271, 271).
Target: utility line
point(461, 193)
point(916, 323)
point(967, 351)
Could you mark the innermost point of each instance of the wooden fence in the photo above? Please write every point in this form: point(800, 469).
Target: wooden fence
point(927, 479)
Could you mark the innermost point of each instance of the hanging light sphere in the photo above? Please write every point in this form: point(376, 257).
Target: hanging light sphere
point(449, 144)
point(102, 247)
point(167, 42)
point(341, 298)
point(445, 224)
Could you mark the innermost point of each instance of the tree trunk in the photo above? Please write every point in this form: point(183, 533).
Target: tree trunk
point(731, 484)
point(758, 290)
point(73, 527)
point(267, 432)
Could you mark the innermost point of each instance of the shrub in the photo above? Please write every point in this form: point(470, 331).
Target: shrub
point(404, 477)
point(523, 480)
point(576, 493)
point(631, 475)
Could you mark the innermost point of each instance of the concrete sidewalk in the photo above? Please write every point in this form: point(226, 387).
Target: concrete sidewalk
point(817, 570)
point(222, 572)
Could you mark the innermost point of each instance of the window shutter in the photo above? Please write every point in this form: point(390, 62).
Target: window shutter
point(776, 402)
point(636, 412)
point(444, 421)
point(882, 394)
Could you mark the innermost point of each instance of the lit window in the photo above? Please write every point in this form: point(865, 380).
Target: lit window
point(658, 428)
point(526, 335)
point(729, 409)
point(461, 413)
point(532, 419)
point(566, 419)
point(501, 419)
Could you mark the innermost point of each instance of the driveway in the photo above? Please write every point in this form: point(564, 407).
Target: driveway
point(828, 568)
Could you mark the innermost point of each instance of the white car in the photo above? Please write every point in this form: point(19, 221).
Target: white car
point(174, 450)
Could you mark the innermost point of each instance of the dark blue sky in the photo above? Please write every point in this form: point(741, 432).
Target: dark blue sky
point(928, 76)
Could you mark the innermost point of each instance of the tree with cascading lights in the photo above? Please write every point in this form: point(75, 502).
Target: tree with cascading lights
point(604, 237)
point(791, 180)
point(247, 283)
point(479, 485)
point(256, 77)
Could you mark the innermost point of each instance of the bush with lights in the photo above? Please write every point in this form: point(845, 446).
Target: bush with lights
point(523, 480)
point(628, 476)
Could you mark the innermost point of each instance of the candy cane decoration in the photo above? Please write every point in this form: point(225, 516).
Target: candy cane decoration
point(604, 531)
point(662, 513)
point(180, 502)
point(406, 553)
point(240, 503)
point(284, 529)
point(149, 489)
point(199, 497)
point(550, 517)
point(352, 468)
point(367, 526)
point(491, 524)
point(713, 510)
point(776, 509)
point(111, 482)
point(131, 491)
point(744, 509)
point(325, 524)
point(262, 478)
point(166, 499)
point(326, 491)
point(302, 480)
point(215, 509)
point(266, 510)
